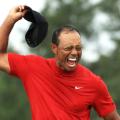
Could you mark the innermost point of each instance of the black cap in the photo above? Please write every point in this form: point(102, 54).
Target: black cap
point(37, 31)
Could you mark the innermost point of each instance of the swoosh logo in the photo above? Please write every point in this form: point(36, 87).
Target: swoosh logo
point(78, 87)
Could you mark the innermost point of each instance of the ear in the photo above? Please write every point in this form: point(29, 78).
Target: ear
point(54, 48)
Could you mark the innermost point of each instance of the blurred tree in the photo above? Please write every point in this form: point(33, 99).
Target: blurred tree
point(74, 12)
point(108, 66)
point(13, 101)
point(109, 69)
point(81, 13)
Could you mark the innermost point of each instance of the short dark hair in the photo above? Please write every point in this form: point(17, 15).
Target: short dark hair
point(57, 32)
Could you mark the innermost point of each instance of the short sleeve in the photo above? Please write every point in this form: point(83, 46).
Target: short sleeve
point(18, 65)
point(103, 103)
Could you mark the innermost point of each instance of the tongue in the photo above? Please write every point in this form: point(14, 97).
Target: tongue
point(71, 63)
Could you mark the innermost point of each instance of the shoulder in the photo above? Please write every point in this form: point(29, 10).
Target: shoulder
point(95, 79)
point(25, 57)
point(86, 71)
point(18, 63)
point(25, 60)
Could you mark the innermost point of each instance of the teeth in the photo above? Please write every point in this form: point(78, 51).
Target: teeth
point(72, 59)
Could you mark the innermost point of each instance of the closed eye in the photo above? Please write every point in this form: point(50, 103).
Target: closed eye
point(68, 48)
point(78, 48)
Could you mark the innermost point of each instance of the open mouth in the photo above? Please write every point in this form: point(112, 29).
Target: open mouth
point(72, 61)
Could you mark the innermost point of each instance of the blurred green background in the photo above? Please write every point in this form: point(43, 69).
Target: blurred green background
point(98, 22)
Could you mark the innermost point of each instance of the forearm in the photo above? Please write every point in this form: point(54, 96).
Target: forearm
point(14, 15)
point(112, 116)
point(5, 30)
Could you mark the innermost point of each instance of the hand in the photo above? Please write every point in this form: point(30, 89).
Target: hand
point(17, 13)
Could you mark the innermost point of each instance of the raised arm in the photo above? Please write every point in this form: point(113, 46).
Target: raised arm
point(14, 15)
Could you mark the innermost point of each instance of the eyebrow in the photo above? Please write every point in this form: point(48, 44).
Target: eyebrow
point(73, 46)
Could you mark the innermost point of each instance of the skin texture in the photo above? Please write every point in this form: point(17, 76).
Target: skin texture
point(14, 15)
point(69, 47)
point(67, 52)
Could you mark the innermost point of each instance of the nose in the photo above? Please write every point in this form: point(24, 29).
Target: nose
point(74, 52)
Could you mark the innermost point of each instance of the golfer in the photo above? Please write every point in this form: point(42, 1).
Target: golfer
point(58, 88)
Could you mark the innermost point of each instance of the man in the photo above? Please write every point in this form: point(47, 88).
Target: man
point(58, 88)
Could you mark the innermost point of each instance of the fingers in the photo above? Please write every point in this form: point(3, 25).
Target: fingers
point(17, 13)
point(20, 8)
point(23, 9)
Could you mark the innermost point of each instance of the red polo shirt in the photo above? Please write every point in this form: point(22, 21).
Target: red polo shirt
point(58, 95)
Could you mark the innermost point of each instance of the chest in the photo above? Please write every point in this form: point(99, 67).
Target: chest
point(77, 93)
point(73, 94)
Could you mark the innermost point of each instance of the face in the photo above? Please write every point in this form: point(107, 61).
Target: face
point(68, 51)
